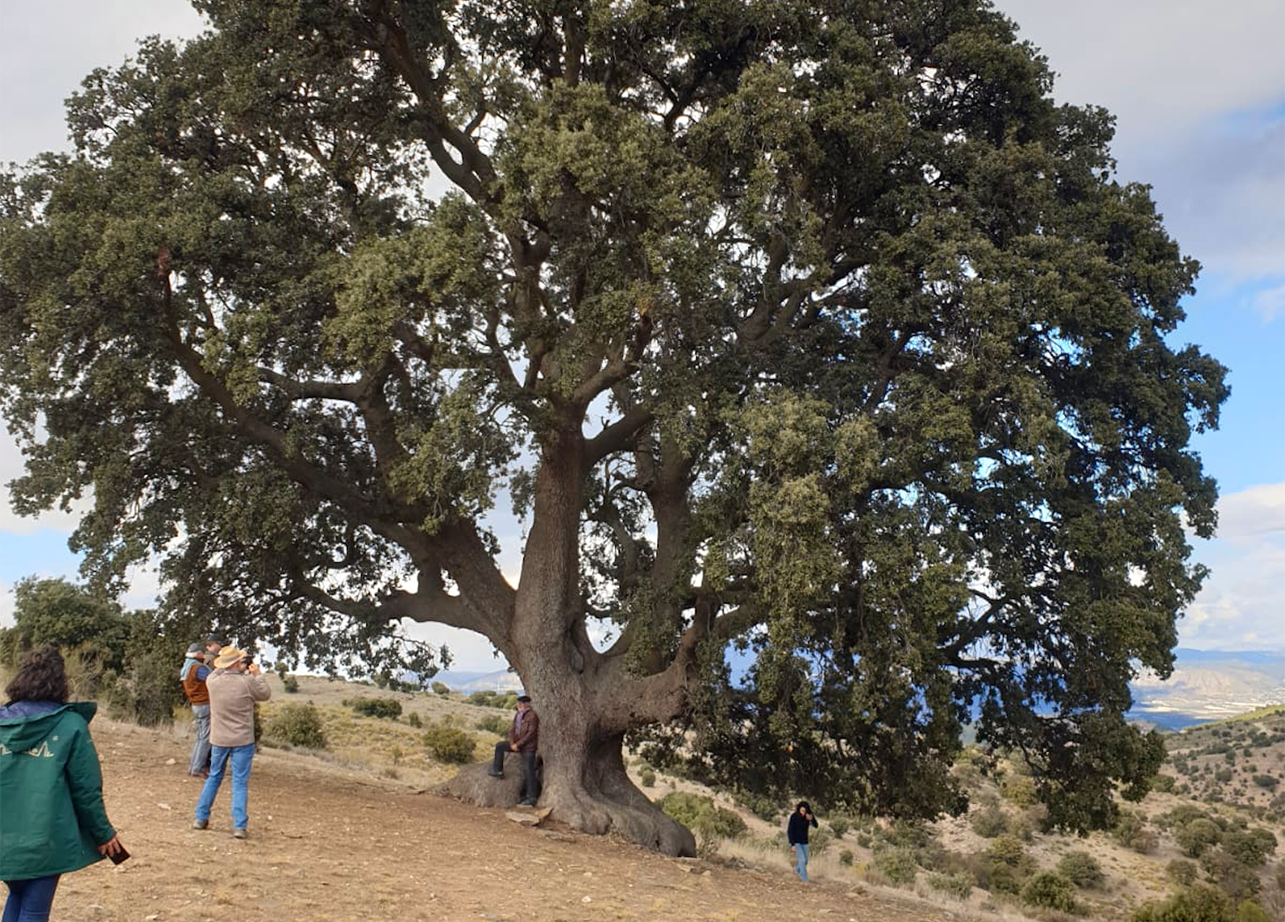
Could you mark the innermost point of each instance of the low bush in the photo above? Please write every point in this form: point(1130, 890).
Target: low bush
point(989, 821)
point(647, 777)
point(1197, 903)
point(897, 863)
point(1050, 891)
point(493, 699)
point(297, 725)
point(440, 688)
point(1163, 784)
point(290, 684)
point(1196, 836)
point(387, 708)
point(414, 720)
point(448, 743)
point(1081, 869)
point(1131, 831)
point(846, 857)
point(839, 825)
point(1181, 872)
point(494, 723)
point(959, 885)
point(702, 816)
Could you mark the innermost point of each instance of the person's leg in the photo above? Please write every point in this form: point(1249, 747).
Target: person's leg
point(201, 750)
point(497, 764)
point(242, 759)
point(218, 763)
point(30, 900)
point(529, 791)
point(801, 852)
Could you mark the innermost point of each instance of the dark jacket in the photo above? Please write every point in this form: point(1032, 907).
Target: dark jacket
point(797, 831)
point(51, 788)
point(529, 738)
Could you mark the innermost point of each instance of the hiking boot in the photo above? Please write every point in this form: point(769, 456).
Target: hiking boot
point(239, 833)
point(526, 803)
point(201, 774)
point(494, 774)
point(200, 824)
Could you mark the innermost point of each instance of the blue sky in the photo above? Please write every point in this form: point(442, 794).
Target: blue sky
point(1199, 94)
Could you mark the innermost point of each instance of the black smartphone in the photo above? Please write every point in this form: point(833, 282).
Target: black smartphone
point(119, 856)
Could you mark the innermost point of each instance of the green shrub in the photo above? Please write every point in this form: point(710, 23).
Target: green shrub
point(1020, 789)
point(1050, 891)
point(846, 857)
point(1250, 847)
point(839, 825)
point(1196, 836)
point(448, 743)
point(896, 863)
point(989, 821)
point(1181, 872)
point(959, 885)
point(1197, 903)
point(1081, 869)
point(1131, 831)
point(389, 708)
point(297, 725)
point(1236, 879)
point(1250, 911)
point(865, 840)
point(290, 684)
point(492, 699)
point(647, 777)
point(440, 688)
point(1005, 866)
point(1266, 781)
point(1163, 784)
point(494, 723)
point(702, 816)
point(766, 808)
point(414, 720)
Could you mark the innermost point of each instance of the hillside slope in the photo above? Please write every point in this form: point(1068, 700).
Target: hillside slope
point(335, 845)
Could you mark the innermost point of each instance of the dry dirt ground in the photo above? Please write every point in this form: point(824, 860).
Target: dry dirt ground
point(328, 844)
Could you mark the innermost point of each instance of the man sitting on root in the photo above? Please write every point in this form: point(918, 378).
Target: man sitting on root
point(523, 738)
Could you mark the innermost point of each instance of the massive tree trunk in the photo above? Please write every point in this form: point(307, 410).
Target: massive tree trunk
point(586, 702)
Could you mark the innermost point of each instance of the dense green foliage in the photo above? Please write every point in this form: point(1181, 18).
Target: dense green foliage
point(809, 327)
point(387, 708)
point(297, 725)
point(1081, 869)
point(1050, 891)
point(448, 743)
point(702, 816)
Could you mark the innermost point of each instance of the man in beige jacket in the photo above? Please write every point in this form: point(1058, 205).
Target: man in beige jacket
point(234, 686)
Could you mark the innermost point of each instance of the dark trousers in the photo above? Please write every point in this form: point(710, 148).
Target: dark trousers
point(29, 900)
point(530, 783)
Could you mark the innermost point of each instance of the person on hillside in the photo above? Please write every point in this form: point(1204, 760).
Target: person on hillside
point(234, 686)
point(193, 676)
point(52, 819)
point(797, 833)
point(524, 739)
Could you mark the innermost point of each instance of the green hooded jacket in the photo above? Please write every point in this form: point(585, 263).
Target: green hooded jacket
point(51, 791)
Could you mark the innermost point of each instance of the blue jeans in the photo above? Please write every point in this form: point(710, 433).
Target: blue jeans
point(29, 900)
point(201, 751)
point(241, 757)
point(801, 860)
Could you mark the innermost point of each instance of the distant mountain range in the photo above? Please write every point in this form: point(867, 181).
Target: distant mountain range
point(468, 682)
point(1210, 685)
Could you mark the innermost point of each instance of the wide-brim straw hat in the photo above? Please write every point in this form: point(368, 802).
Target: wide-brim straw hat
point(229, 656)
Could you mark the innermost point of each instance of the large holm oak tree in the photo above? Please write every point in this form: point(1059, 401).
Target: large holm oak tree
point(825, 358)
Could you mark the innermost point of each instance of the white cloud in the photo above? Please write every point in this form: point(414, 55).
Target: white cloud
point(7, 602)
point(1252, 513)
point(1270, 303)
point(1241, 604)
point(11, 467)
point(1196, 89)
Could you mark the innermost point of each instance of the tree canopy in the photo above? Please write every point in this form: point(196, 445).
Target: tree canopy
point(811, 332)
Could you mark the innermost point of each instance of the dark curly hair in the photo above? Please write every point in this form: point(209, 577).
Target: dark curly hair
point(41, 677)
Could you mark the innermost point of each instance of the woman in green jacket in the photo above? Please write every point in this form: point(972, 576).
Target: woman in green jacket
point(52, 820)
